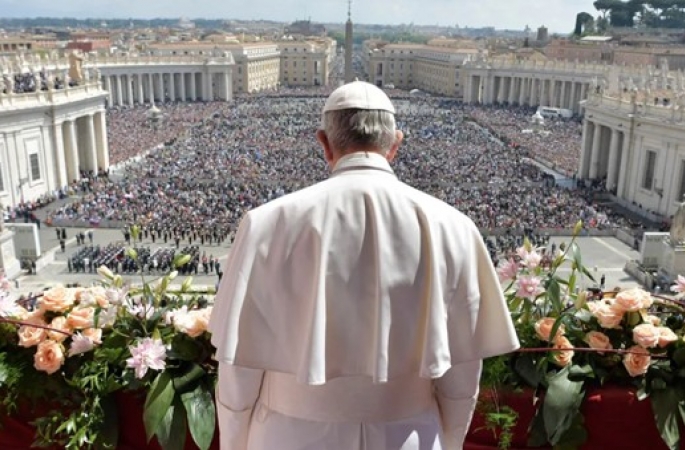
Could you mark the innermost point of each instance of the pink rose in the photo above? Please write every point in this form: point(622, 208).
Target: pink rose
point(57, 299)
point(543, 328)
point(607, 316)
point(646, 335)
point(81, 318)
point(666, 336)
point(632, 300)
point(679, 287)
point(598, 341)
point(564, 355)
point(59, 323)
point(654, 320)
point(30, 336)
point(637, 362)
point(49, 357)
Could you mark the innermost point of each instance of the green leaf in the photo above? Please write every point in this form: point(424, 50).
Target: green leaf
point(158, 401)
point(199, 406)
point(561, 405)
point(572, 283)
point(575, 436)
point(577, 259)
point(665, 406)
point(525, 367)
point(192, 373)
point(580, 373)
point(536, 431)
point(109, 433)
point(554, 296)
point(171, 433)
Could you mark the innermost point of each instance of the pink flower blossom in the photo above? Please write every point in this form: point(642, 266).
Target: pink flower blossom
point(147, 354)
point(529, 287)
point(508, 270)
point(10, 308)
point(530, 259)
point(80, 344)
point(679, 287)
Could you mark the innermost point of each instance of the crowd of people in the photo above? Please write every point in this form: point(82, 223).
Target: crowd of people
point(212, 162)
point(556, 142)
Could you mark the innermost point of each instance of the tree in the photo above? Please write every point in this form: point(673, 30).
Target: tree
point(582, 20)
point(605, 6)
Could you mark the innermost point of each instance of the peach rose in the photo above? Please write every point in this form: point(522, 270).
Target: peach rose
point(598, 341)
point(632, 300)
point(543, 328)
point(49, 357)
point(57, 299)
point(59, 323)
point(193, 323)
point(666, 336)
point(654, 320)
point(81, 318)
point(637, 362)
point(94, 334)
point(563, 357)
point(607, 316)
point(646, 335)
point(30, 336)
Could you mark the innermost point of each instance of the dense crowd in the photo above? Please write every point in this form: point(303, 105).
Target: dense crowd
point(557, 143)
point(239, 155)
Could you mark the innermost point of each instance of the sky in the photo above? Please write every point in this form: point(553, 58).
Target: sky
point(557, 15)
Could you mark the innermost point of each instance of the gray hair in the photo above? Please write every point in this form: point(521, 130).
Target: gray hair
point(359, 128)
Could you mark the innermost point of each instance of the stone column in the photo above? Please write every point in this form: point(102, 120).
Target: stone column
point(583, 91)
point(71, 151)
point(583, 168)
point(182, 85)
point(612, 170)
point(522, 90)
point(151, 88)
point(623, 173)
point(141, 93)
point(91, 162)
point(101, 141)
point(60, 158)
point(553, 91)
point(500, 91)
point(108, 88)
point(129, 89)
point(228, 89)
point(574, 103)
point(512, 90)
point(594, 158)
point(534, 90)
point(193, 87)
point(210, 86)
point(172, 86)
point(120, 96)
point(562, 99)
point(160, 88)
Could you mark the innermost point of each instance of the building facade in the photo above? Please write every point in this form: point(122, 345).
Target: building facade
point(306, 63)
point(635, 140)
point(434, 69)
point(256, 65)
point(47, 138)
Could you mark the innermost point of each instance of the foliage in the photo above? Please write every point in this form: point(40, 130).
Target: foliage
point(79, 347)
point(649, 13)
point(573, 339)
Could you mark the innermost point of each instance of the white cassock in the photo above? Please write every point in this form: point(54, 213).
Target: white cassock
point(355, 314)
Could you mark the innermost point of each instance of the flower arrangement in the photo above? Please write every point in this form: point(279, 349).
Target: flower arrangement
point(78, 347)
point(574, 338)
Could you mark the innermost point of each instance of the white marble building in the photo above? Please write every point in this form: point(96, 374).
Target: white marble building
point(48, 137)
point(635, 137)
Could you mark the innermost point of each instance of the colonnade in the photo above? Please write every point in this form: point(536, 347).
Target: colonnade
point(526, 89)
point(159, 87)
point(80, 145)
point(604, 154)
